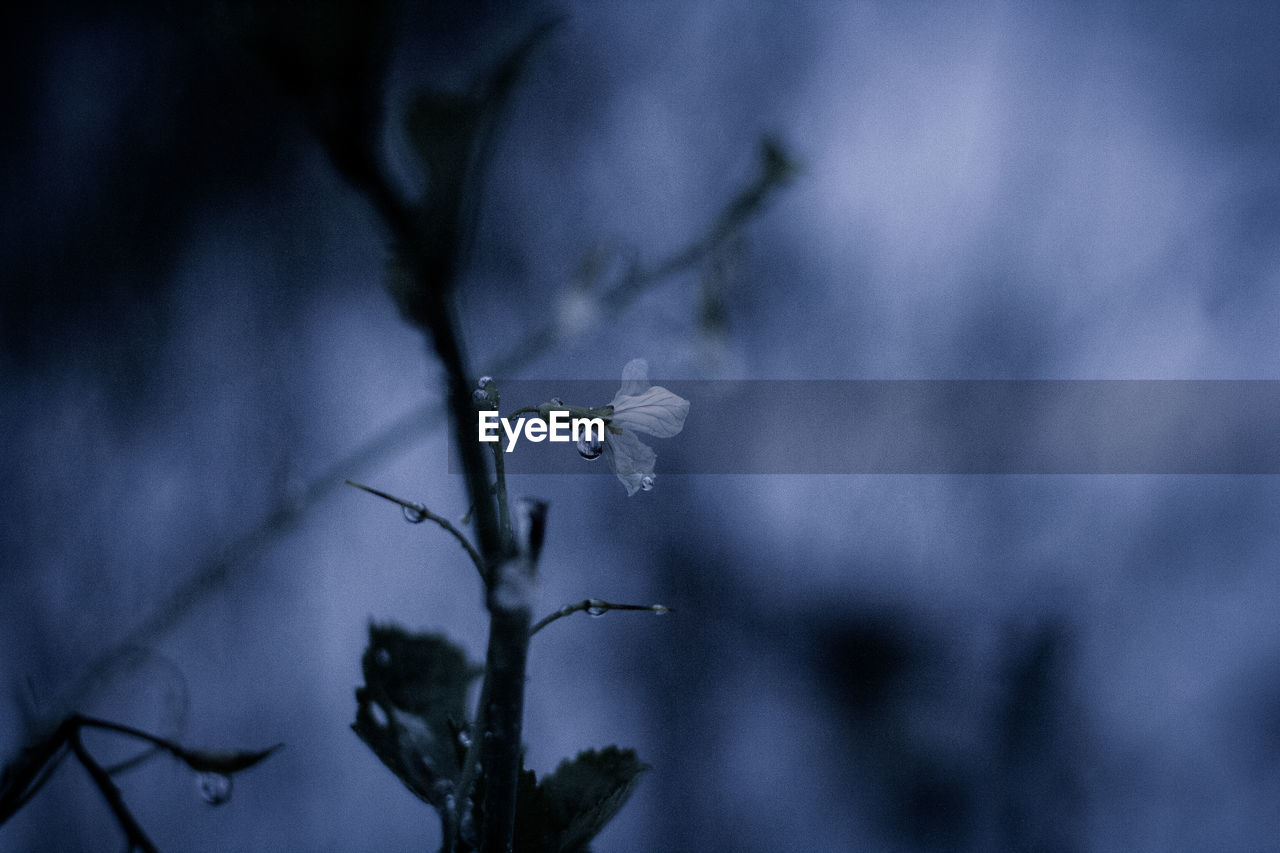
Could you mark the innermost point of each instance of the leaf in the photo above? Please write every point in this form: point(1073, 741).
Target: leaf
point(569, 808)
point(451, 133)
point(222, 761)
point(412, 707)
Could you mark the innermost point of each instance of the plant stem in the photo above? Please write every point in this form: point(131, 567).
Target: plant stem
point(434, 265)
point(593, 604)
point(428, 515)
point(503, 713)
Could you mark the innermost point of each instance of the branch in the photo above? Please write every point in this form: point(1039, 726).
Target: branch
point(23, 778)
point(132, 830)
point(416, 513)
point(594, 607)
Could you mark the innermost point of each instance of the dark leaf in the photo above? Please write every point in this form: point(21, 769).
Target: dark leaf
point(567, 809)
point(225, 762)
point(413, 705)
point(451, 133)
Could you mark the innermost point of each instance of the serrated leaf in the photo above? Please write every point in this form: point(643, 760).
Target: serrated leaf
point(569, 808)
point(412, 706)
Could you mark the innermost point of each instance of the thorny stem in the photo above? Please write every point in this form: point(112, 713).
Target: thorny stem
point(428, 515)
point(596, 607)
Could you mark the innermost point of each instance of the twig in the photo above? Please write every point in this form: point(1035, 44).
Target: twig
point(595, 607)
point(133, 832)
point(424, 514)
point(24, 776)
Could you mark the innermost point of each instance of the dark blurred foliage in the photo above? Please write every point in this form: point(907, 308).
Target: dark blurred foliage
point(158, 124)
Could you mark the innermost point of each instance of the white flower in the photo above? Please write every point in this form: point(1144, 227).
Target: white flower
point(639, 407)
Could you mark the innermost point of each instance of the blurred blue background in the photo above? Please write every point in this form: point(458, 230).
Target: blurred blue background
point(195, 329)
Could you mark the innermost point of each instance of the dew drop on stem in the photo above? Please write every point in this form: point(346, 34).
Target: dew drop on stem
point(596, 608)
point(414, 514)
point(215, 788)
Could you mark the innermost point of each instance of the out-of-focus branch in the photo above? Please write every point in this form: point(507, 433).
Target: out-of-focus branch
point(133, 831)
point(24, 777)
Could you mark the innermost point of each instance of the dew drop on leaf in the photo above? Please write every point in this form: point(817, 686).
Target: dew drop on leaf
point(484, 380)
point(646, 484)
point(215, 788)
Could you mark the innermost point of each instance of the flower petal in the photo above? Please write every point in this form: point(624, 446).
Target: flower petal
point(635, 378)
point(656, 412)
point(630, 458)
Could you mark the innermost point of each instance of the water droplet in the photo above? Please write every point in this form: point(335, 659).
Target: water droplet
point(660, 610)
point(464, 738)
point(646, 483)
point(589, 449)
point(484, 380)
point(415, 514)
point(596, 607)
point(480, 396)
point(556, 401)
point(215, 788)
point(382, 657)
point(378, 714)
